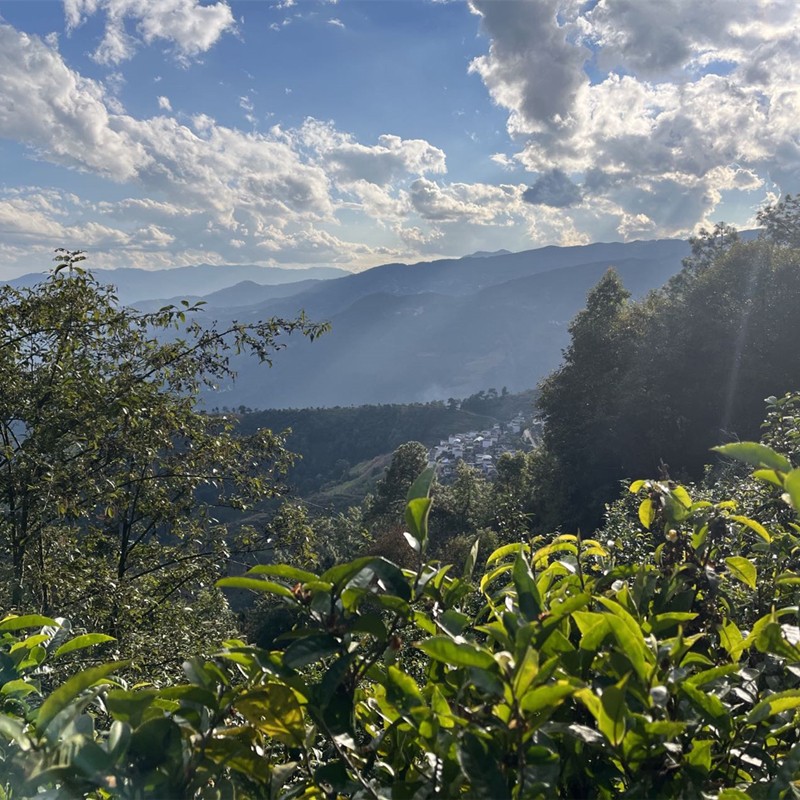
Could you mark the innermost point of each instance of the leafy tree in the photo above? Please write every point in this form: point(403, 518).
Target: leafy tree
point(577, 400)
point(707, 246)
point(781, 221)
point(104, 452)
point(649, 387)
point(407, 462)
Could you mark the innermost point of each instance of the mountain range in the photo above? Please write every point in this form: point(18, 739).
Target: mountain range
point(139, 286)
point(403, 332)
point(434, 330)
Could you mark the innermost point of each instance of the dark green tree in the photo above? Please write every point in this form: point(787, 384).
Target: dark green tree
point(781, 221)
point(408, 460)
point(104, 453)
point(578, 400)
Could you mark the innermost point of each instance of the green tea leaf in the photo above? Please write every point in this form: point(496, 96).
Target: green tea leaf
point(775, 704)
point(28, 621)
point(456, 652)
point(422, 485)
point(417, 511)
point(647, 513)
point(309, 649)
point(743, 570)
point(755, 526)
point(58, 700)
point(755, 454)
point(275, 710)
point(81, 642)
point(283, 571)
point(256, 585)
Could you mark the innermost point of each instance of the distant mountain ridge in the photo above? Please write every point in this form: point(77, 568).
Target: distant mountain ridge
point(404, 332)
point(448, 328)
point(134, 284)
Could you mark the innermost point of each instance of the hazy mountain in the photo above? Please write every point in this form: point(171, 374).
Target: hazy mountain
point(142, 285)
point(405, 332)
point(504, 325)
point(246, 293)
point(465, 276)
point(488, 253)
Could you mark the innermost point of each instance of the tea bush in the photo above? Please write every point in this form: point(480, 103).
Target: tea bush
point(560, 669)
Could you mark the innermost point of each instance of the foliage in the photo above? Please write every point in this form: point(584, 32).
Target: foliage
point(388, 501)
point(781, 221)
point(660, 381)
point(103, 456)
point(330, 441)
point(561, 670)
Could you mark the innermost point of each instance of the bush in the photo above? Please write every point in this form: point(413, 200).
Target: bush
point(561, 670)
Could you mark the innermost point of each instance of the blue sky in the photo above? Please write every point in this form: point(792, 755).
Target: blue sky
point(158, 133)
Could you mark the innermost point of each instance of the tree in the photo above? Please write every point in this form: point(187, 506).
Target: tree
point(781, 221)
point(389, 499)
point(104, 452)
point(649, 387)
point(577, 400)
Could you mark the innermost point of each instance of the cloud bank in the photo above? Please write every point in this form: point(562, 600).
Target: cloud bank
point(624, 119)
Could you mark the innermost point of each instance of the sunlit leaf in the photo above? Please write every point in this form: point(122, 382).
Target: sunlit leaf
point(742, 569)
point(755, 454)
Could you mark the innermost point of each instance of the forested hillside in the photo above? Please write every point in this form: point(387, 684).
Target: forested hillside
point(330, 441)
point(664, 379)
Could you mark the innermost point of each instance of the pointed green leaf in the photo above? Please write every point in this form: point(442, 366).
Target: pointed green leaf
point(755, 454)
point(417, 511)
point(457, 652)
point(647, 513)
point(81, 642)
point(255, 584)
point(757, 527)
point(283, 571)
point(508, 550)
point(58, 700)
point(472, 558)
point(742, 569)
point(422, 485)
point(13, 623)
point(775, 704)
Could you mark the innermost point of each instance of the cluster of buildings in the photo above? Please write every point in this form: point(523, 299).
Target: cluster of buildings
point(482, 449)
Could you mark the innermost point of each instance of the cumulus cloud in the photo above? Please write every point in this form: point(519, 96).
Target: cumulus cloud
point(531, 68)
point(58, 112)
point(276, 194)
point(553, 188)
point(650, 106)
point(188, 26)
point(350, 160)
point(476, 203)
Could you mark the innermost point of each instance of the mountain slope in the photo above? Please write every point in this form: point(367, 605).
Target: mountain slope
point(467, 275)
point(387, 347)
point(196, 281)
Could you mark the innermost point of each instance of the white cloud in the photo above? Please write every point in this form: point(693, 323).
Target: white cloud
point(190, 27)
point(164, 104)
point(502, 160)
point(677, 97)
point(391, 157)
point(59, 113)
point(337, 23)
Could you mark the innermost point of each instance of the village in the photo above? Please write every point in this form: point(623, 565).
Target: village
point(482, 449)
